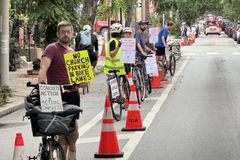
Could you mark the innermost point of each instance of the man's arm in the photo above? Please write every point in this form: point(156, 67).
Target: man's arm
point(141, 49)
point(45, 63)
point(164, 41)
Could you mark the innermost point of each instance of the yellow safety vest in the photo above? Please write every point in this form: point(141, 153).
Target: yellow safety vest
point(113, 63)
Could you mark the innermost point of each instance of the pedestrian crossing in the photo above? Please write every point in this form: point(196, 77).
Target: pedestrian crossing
point(211, 54)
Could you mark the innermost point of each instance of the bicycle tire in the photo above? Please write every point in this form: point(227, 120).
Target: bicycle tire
point(136, 81)
point(162, 67)
point(56, 151)
point(116, 106)
point(148, 84)
point(126, 89)
point(172, 64)
point(143, 86)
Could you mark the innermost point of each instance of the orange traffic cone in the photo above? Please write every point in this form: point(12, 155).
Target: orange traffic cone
point(103, 51)
point(18, 153)
point(134, 120)
point(108, 147)
point(156, 81)
point(182, 41)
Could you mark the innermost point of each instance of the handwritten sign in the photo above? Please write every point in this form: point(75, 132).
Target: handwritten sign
point(114, 87)
point(151, 65)
point(153, 35)
point(79, 67)
point(50, 98)
point(128, 50)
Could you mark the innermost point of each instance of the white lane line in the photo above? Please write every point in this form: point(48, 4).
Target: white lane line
point(133, 142)
point(151, 98)
point(236, 53)
point(90, 124)
point(189, 54)
point(97, 139)
point(212, 53)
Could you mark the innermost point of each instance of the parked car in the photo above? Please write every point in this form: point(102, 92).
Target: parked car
point(235, 30)
point(101, 27)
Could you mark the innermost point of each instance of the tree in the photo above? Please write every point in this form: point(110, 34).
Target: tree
point(48, 14)
point(89, 12)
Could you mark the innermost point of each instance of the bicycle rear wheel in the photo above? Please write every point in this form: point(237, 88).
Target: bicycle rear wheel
point(125, 89)
point(172, 65)
point(148, 84)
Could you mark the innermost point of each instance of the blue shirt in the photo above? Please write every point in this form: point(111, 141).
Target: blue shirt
point(164, 33)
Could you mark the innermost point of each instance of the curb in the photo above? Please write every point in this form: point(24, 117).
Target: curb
point(10, 108)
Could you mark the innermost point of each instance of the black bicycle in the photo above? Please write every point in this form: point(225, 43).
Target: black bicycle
point(119, 92)
point(49, 125)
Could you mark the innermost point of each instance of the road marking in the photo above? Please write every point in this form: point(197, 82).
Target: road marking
point(189, 54)
point(236, 53)
point(212, 53)
point(90, 124)
point(151, 98)
point(97, 139)
point(137, 136)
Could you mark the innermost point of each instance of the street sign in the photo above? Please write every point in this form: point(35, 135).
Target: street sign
point(138, 5)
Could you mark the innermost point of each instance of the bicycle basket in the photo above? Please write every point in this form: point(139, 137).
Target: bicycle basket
point(49, 124)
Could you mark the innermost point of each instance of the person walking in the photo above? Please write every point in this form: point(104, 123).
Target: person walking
point(86, 40)
point(53, 71)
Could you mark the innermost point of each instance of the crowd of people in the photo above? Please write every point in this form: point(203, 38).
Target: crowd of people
point(53, 69)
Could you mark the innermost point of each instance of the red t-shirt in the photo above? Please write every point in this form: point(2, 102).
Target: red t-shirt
point(57, 71)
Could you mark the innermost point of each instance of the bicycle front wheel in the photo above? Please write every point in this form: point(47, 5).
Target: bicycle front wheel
point(172, 65)
point(56, 152)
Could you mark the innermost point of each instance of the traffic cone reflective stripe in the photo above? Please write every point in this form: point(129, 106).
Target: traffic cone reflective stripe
point(108, 147)
point(134, 120)
point(18, 153)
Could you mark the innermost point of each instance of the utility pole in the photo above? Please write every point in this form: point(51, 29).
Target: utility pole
point(4, 42)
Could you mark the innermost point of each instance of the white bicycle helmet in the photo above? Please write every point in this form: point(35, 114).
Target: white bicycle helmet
point(127, 30)
point(87, 28)
point(116, 28)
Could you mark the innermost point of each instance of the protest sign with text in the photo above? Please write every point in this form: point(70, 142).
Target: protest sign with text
point(151, 64)
point(128, 50)
point(153, 35)
point(50, 98)
point(79, 67)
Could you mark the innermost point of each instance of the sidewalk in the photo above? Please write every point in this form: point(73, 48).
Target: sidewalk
point(17, 83)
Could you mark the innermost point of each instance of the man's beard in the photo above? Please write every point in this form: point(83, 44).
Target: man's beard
point(65, 40)
point(143, 29)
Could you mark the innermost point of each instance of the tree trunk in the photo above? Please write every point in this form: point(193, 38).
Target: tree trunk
point(130, 16)
point(89, 12)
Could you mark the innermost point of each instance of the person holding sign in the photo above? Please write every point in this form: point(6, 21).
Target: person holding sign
point(112, 61)
point(53, 71)
point(127, 33)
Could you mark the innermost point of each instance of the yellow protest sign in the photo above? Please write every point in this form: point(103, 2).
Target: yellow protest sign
point(78, 67)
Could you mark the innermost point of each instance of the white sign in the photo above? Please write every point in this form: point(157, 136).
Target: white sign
point(151, 65)
point(50, 98)
point(128, 50)
point(114, 87)
point(153, 35)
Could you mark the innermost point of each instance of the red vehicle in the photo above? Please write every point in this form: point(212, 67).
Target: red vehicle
point(212, 27)
point(101, 27)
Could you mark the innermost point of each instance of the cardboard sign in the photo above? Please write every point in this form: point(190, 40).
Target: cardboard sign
point(128, 50)
point(114, 87)
point(50, 98)
point(153, 35)
point(151, 65)
point(79, 67)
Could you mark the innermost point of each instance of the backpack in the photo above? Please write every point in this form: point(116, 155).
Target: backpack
point(85, 39)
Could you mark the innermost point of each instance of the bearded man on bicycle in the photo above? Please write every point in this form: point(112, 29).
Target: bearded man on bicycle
point(53, 71)
point(142, 48)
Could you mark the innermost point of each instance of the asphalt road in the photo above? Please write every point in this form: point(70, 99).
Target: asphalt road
point(195, 117)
